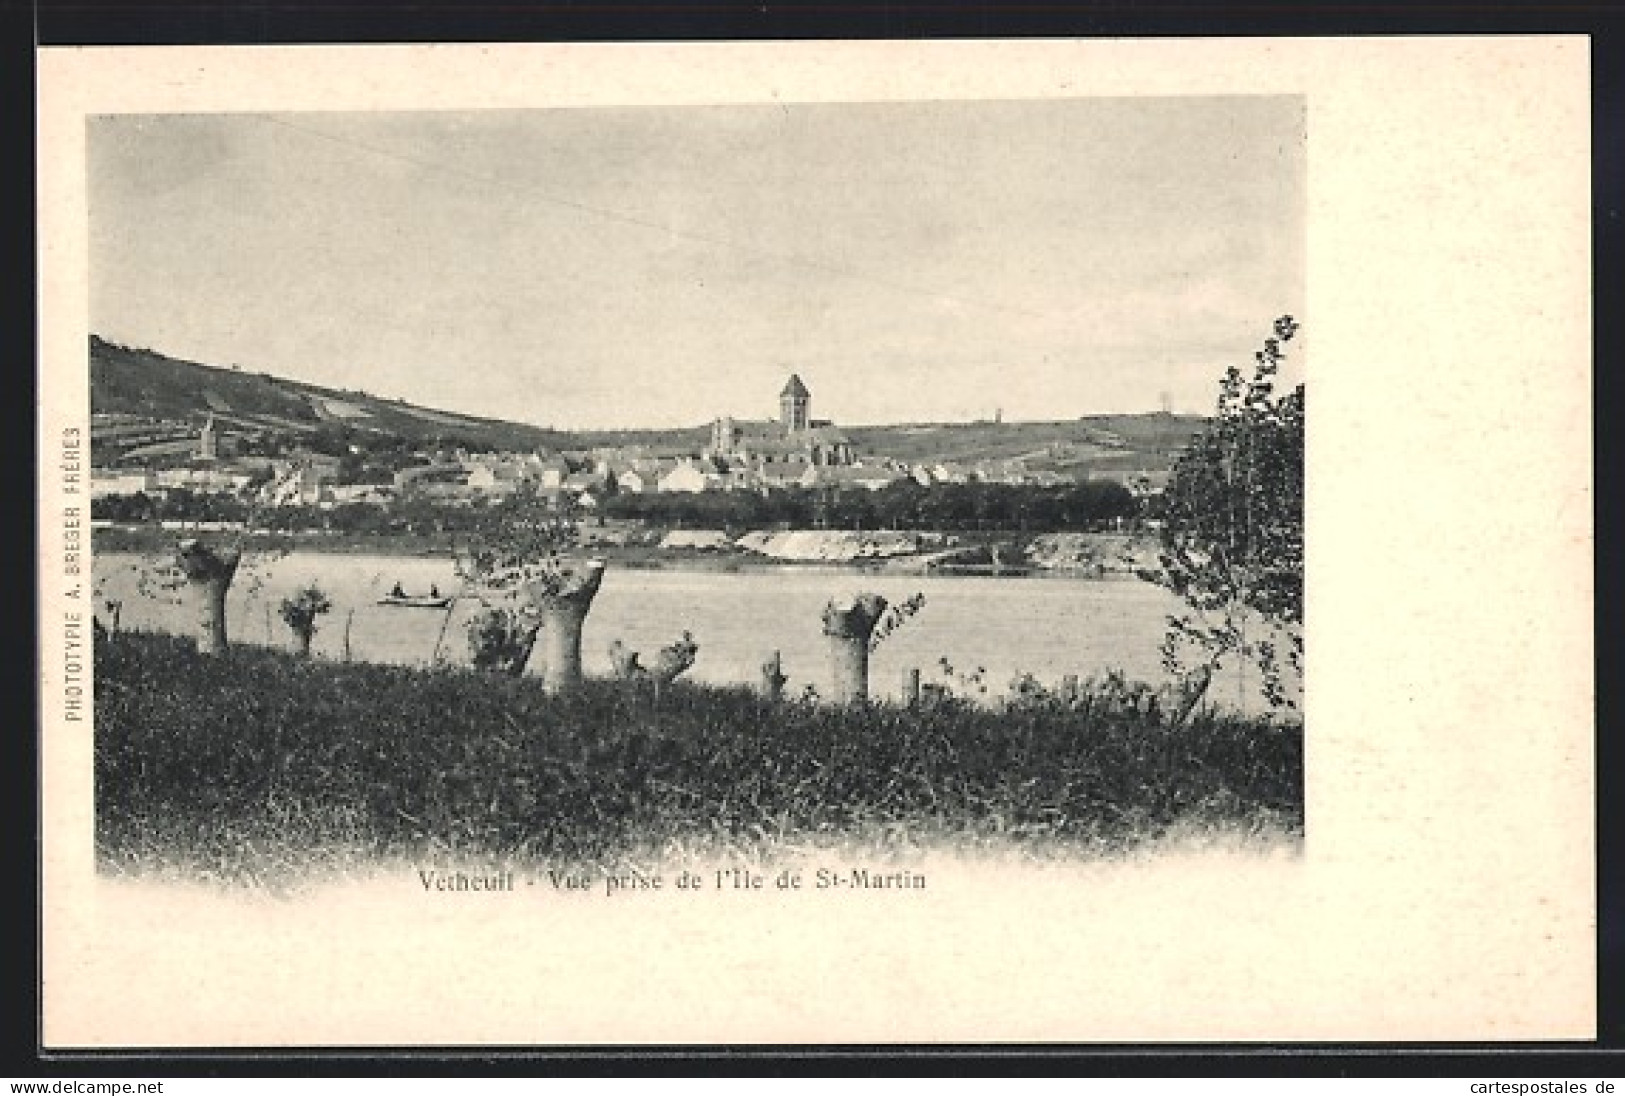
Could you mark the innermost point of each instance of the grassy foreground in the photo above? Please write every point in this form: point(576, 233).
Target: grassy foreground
point(258, 767)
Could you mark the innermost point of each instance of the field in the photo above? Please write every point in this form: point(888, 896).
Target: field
point(260, 768)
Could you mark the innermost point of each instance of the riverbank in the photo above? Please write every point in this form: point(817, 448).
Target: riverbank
point(258, 767)
point(1059, 555)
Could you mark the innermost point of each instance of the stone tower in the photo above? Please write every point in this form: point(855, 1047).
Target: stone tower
point(794, 405)
point(207, 445)
point(722, 435)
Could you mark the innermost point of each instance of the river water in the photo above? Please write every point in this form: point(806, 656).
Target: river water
point(1048, 627)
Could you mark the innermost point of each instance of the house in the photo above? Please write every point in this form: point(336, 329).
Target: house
point(422, 476)
point(652, 468)
point(323, 463)
point(632, 481)
point(688, 477)
point(109, 483)
point(579, 482)
point(552, 471)
point(868, 478)
point(777, 478)
point(1001, 471)
point(299, 485)
point(203, 480)
point(372, 494)
point(495, 478)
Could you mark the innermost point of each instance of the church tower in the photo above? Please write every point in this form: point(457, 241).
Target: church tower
point(794, 405)
point(207, 446)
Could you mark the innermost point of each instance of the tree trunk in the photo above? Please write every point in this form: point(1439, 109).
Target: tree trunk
point(670, 662)
point(209, 573)
point(1069, 690)
point(1190, 694)
point(563, 612)
point(849, 627)
point(304, 643)
point(773, 678)
point(911, 687)
point(624, 660)
point(440, 637)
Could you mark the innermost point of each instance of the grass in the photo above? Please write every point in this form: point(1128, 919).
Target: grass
point(262, 768)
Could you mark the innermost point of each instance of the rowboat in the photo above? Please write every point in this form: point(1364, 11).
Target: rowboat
point(417, 601)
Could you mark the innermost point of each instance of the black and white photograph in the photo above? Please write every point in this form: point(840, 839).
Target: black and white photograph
point(895, 476)
point(807, 531)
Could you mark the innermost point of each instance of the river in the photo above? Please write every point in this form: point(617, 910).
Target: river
point(997, 627)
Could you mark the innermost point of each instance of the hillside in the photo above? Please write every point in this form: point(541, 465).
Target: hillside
point(148, 385)
point(143, 383)
point(1104, 442)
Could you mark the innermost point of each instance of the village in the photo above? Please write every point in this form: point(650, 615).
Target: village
point(787, 472)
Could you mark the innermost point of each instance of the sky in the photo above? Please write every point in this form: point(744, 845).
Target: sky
point(661, 266)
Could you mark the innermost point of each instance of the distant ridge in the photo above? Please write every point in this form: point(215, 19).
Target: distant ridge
point(152, 385)
point(129, 381)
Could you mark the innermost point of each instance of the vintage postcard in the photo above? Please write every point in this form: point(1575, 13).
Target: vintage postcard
point(940, 542)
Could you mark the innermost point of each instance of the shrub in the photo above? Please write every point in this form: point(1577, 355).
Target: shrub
point(1232, 539)
point(300, 611)
point(501, 637)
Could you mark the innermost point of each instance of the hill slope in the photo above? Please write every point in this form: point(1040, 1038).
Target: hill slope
point(1104, 442)
point(150, 385)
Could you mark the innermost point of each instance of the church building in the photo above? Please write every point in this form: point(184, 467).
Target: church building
point(796, 439)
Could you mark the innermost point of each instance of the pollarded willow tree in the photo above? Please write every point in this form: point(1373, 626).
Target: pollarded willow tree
point(200, 572)
point(224, 548)
point(530, 591)
point(1232, 540)
point(209, 570)
point(300, 611)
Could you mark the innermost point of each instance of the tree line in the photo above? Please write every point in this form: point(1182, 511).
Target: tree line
point(903, 505)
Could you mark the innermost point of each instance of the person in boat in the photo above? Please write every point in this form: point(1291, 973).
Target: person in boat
point(397, 591)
